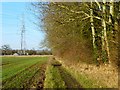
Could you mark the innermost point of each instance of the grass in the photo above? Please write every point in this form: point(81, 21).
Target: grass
point(20, 80)
point(26, 72)
point(53, 78)
point(23, 79)
point(18, 71)
point(84, 80)
point(14, 65)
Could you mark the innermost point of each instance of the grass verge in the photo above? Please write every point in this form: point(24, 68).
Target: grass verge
point(84, 80)
point(53, 78)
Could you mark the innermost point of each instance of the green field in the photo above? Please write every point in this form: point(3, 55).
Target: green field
point(22, 72)
point(39, 72)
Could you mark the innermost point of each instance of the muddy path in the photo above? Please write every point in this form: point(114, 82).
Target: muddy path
point(70, 81)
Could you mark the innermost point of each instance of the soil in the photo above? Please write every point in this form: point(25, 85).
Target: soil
point(40, 84)
point(37, 81)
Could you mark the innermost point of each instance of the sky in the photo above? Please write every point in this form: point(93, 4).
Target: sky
point(11, 14)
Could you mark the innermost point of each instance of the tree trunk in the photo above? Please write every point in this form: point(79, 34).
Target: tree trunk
point(105, 46)
point(111, 10)
point(93, 32)
point(111, 16)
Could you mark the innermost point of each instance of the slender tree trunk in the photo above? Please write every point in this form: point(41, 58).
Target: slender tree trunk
point(102, 37)
point(111, 16)
point(93, 32)
point(111, 10)
point(105, 46)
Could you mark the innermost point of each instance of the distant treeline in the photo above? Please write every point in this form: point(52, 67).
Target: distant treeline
point(27, 52)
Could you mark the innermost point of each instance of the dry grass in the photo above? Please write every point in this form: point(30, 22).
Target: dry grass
point(106, 74)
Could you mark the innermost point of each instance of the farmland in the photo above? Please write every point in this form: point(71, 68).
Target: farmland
point(23, 72)
point(60, 45)
point(41, 72)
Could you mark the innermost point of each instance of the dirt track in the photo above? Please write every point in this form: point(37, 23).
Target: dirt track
point(70, 81)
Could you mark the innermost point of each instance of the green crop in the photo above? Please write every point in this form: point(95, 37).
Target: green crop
point(18, 71)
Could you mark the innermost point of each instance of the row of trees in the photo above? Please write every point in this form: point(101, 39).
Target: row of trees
point(85, 31)
point(6, 50)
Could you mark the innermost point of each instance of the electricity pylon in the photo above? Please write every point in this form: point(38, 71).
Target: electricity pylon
point(23, 43)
